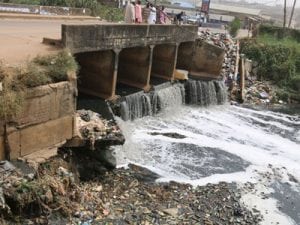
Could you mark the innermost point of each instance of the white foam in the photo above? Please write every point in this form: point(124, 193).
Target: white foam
point(224, 128)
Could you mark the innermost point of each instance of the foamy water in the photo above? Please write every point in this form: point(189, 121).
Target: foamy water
point(222, 143)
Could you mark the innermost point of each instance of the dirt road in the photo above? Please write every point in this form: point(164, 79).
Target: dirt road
point(21, 39)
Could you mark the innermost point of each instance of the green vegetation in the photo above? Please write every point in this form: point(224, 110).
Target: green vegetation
point(40, 71)
point(278, 58)
point(11, 99)
point(108, 13)
point(55, 67)
point(234, 26)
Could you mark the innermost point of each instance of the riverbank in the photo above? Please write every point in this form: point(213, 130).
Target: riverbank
point(122, 196)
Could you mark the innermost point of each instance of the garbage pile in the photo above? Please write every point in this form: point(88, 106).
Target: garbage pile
point(92, 128)
point(121, 196)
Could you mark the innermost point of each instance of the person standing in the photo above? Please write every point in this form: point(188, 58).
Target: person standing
point(162, 15)
point(130, 12)
point(178, 18)
point(152, 16)
point(138, 12)
point(146, 12)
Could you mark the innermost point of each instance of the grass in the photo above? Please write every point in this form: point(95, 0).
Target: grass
point(57, 67)
point(11, 98)
point(40, 71)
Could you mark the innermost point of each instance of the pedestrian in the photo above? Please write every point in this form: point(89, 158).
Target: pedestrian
point(152, 15)
point(130, 12)
point(178, 18)
point(146, 12)
point(162, 15)
point(138, 12)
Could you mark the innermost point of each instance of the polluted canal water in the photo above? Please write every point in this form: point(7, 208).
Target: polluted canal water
point(258, 150)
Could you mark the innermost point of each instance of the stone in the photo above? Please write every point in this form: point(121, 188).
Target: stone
point(171, 211)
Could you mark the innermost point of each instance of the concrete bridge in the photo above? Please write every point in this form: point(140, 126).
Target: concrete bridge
point(134, 55)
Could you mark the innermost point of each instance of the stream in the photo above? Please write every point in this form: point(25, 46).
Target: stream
point(201, 145)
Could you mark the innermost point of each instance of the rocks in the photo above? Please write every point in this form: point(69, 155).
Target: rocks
point(126, 196)
point(171, 135)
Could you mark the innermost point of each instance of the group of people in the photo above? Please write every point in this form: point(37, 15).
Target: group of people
point(134, 13)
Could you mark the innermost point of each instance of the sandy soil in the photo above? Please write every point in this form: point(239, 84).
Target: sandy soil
point(21, 39)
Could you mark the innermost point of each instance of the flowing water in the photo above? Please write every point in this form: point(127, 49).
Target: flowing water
point(222, 143)
point(202, 93)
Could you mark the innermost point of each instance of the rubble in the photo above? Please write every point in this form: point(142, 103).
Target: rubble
point(93, 128)
point(122, 196)
point(231, 48)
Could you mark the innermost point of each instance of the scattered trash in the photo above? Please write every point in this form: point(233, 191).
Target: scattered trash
point(121, 196)
point(264, 95)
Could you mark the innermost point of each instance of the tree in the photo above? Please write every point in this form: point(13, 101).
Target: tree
point(284, 15)
point(234, 26)
point(292, 13)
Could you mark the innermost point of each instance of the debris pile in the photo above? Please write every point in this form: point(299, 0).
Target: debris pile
point(230, 46)
point(92, 128)
point(121, 196)
point(259, 93)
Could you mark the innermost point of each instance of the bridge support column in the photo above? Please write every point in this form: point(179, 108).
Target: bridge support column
point(135, 66)
point(115, 73)
point(98, 73)
point(164, 61)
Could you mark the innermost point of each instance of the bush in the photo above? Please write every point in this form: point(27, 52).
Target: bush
point(277, 60)
point(279, 32)
point(11, 98)
point(234, 26)
point(295, 83)
point(57, 66)
point(33, 76)
point(108, 13)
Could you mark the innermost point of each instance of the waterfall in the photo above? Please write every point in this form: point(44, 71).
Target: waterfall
point(146, 104)
point(169, 97)
point(221, 90)
point(194, 92)
point(136, 105)
point(205, 93)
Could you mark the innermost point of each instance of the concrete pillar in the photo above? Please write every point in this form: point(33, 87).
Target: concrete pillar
point(164, 61)
point(115, 73)
point(135, 66)
point(151, 47)
point(242, 75)
point(98, 73)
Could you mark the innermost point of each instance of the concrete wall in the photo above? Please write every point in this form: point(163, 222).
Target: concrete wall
point(87, 38)
point(46, 120)
point(185, 54)
point(44, 10)
point(164, 61)
point(207, 61)
point(96, 76)
point(134, 67)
